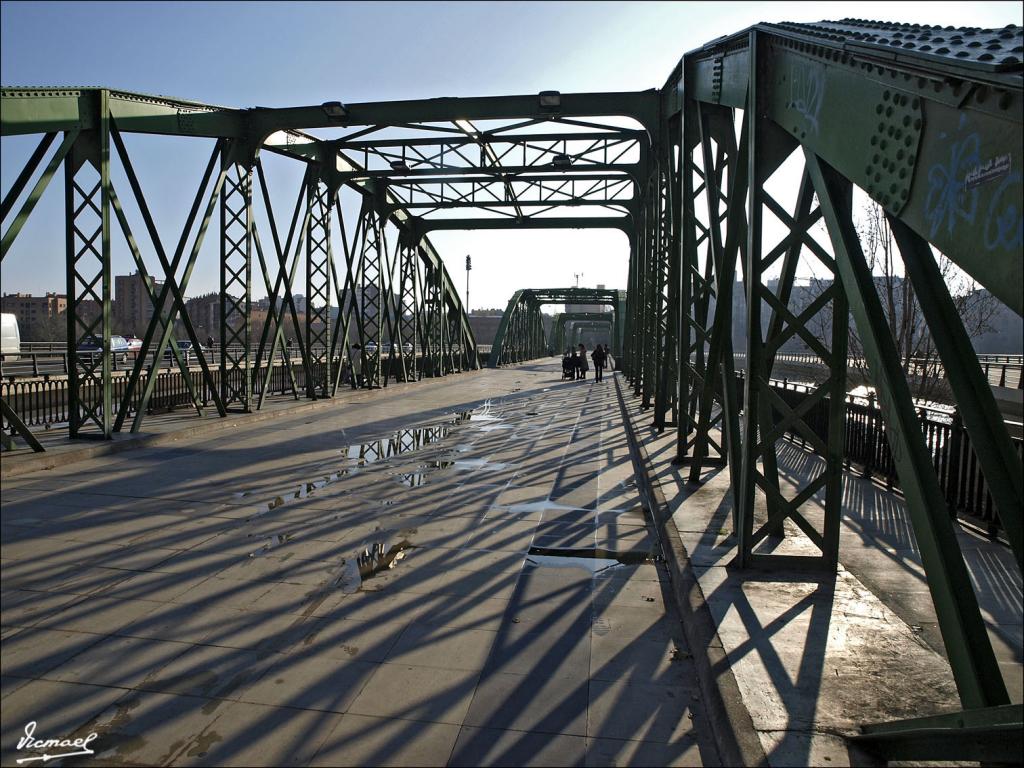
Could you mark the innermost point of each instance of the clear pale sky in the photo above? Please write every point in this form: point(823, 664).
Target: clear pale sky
point(272, 54)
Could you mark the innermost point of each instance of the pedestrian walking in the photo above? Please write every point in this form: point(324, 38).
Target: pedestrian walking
point(355, 362)
point(574, 361)
point(599, 358)
point(583, 362)
point(609, 361)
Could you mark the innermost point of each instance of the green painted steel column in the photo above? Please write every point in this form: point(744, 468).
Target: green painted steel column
point(974, 666)
point(319, 257)
point(752, 273)
point(107, 416)
point(973, 395)
point(236, 243)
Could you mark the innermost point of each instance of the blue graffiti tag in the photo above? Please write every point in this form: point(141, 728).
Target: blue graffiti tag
point(1004, 227)
point(948, 199)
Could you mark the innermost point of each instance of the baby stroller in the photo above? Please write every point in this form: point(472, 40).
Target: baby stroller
point(568, 368)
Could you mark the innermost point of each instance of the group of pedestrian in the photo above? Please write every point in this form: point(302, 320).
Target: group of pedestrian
point(575, 366)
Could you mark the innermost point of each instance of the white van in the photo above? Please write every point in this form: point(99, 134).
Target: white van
point(10, 337)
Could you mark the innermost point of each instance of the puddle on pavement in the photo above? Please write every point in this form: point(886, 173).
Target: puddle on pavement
point(401, 442)
point(420, 475)
point(371, 561)
point(541, 506)
point(483, 464)
point(411, 479)
point(484, 413)
point(597, 561)
point(495, 427)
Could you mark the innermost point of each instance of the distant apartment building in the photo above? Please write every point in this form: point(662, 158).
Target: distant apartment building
point(31, 309)
point(131, 307)
point(204, 312)
point(44, 318)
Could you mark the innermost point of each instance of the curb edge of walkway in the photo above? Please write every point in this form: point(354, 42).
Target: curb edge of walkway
point(36, 462)
point(737, 742)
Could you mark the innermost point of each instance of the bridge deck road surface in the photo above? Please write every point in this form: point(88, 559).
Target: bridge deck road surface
point(206, 603)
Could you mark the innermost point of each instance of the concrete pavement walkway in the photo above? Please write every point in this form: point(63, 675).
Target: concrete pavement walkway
point(462, 575)
point(811, 656)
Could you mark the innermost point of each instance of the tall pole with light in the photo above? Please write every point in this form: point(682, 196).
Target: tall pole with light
point(469, 266)
point(577, 275)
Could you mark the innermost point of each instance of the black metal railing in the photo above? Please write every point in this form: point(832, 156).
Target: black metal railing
point(43, 401)
point(867, 447)
point(999, 370)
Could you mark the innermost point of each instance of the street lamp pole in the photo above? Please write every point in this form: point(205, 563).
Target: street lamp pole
point(469, 266)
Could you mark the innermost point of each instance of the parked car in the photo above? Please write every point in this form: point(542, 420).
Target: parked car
point(92, 346)
point(134, 343)
point(10, 336)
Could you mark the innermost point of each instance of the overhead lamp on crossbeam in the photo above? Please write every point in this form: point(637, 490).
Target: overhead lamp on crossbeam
point(335, 110)
point(400, 165)
point(561, 161)
point(550, 101)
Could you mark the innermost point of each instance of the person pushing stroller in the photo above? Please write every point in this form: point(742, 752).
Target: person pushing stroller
point(568, 366)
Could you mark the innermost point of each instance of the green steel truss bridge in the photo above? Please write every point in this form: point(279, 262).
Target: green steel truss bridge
point(925, 121)
point(521, 335)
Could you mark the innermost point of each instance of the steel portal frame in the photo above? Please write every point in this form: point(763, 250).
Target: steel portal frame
point(926, 121)
point(562, 319)
point(521, 335)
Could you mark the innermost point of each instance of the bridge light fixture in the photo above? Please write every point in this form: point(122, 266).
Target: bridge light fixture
point(550, 99)
point(400, 165)
point(334, 110)
point(561, 161)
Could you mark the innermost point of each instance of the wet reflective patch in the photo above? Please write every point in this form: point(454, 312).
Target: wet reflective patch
point(597, 561)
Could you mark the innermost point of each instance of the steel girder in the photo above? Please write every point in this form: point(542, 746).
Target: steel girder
point(618, 153)
point(518, 177)
point(87, 220)
point(615, 192)
point(926, 130)
point(42, 110)
point(622, 223)
point(497, 153)
point(228, 184)
point(236, 246)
